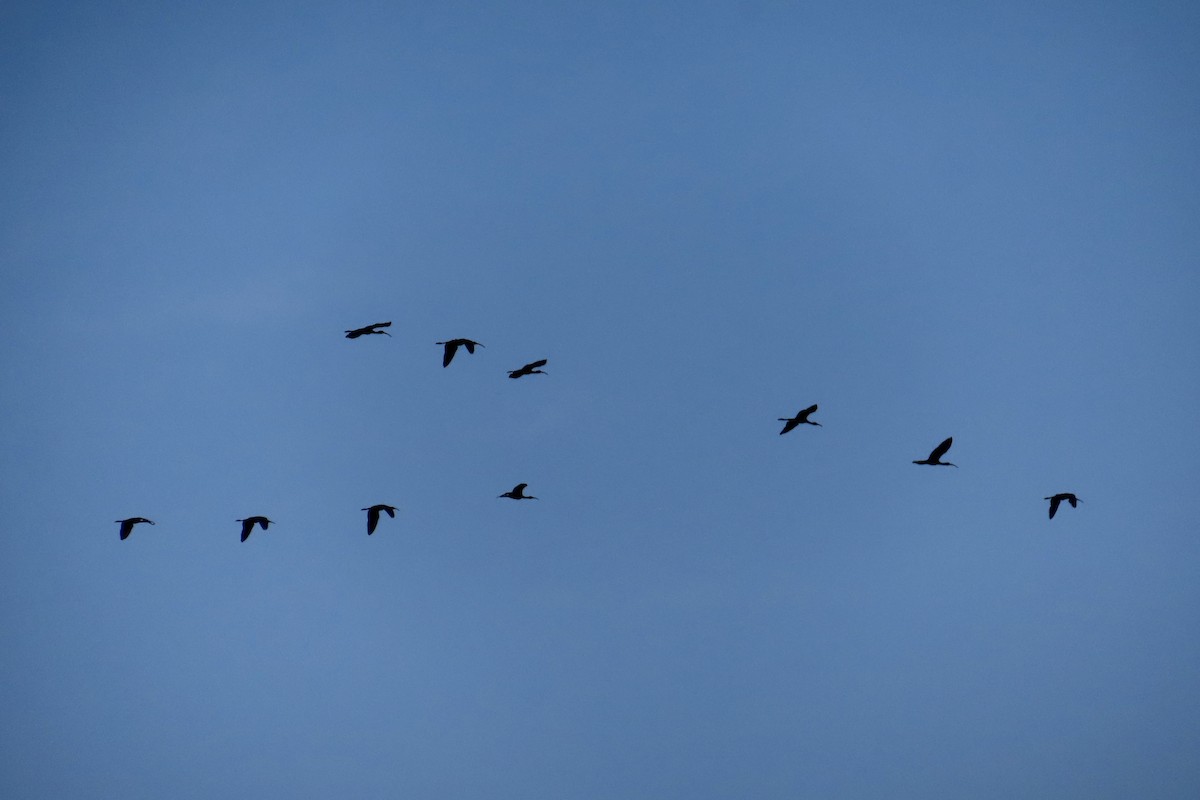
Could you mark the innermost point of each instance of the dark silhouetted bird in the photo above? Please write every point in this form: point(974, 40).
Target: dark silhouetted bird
point(1058, 498)
point(518, 493)
point(367, 331)
point(452, 348)
point(528, 369)
point(801, 417)
point(127, 525)
point(934, 459)
point(248, 525)
point(373, 515)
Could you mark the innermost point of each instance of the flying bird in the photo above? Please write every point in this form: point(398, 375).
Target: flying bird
point(1058, 498)
point(934, 459)
point(248, 525)
point(368, 330)
point(518, 493)
point(127, 525)
point(801, 417)
point(373, 515)
point(528, 369)
point(452, 348)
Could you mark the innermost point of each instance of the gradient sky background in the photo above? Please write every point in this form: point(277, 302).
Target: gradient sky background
point(976, 220)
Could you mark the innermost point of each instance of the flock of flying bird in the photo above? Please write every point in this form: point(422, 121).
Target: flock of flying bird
point(450, 348)
point(934, 459)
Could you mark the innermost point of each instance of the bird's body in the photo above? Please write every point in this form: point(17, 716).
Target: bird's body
point(127, 525)
point(800, 418)
point(368, 330)
point(248, 525)
point(935, 457)
point(529, 369)
point(1058, 498)
point(518, 493)
point(373, 515)
point(452, 348)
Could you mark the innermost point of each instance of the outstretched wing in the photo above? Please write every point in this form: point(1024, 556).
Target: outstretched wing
point(471, 345)
point(520, 488)
point(448, 355)
point(391, 511)
point(247, 526)
point(941, 449)
point(788, 425)
point(536, 364)
point(1054, 501)
point(372, 519)
point(126, 527)
point(809, 410)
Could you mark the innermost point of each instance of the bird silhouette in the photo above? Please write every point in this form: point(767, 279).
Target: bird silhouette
point(373, 515)
point(938, 452)
point(518, 493)
point(368, 330)
point(127, 525)
point(248, 525)
point(528, 369)
point(1058, 498)
point(452, 348)
point(801, 417)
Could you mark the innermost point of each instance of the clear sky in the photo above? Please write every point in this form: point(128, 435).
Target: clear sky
point(934, 219)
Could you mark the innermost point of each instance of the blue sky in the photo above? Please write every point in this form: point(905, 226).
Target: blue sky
point(975, 220)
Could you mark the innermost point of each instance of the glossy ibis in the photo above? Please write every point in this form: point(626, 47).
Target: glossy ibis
point(934, 459)
point(1058, 498)
point(452, 348)
point(518, 493)
point(528, 369)
point(801, 417)
point(373, 515)
point(368, 330)
point(248, 525)
point(127, 525)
